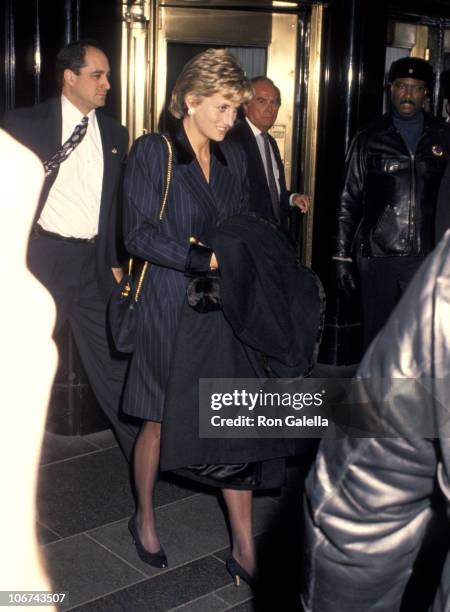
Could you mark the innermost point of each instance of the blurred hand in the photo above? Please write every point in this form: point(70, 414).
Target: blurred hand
point(118, 274)
point(345, 275)
point(213, 264)
point(302, 201)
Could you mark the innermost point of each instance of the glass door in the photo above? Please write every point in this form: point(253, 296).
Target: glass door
point(285, 46)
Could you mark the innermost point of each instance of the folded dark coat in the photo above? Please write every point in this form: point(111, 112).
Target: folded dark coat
point(269, 325)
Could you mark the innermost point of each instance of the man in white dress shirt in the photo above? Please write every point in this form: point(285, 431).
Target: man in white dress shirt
point(73, 246)
point(268, 193)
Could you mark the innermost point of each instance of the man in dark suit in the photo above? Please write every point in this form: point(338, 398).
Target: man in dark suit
point(73, 249)
point(268, 193)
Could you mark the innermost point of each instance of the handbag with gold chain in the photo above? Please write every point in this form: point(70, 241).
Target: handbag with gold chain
point(124, 301)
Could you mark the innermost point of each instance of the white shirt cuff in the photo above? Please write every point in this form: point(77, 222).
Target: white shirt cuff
point(291, 199)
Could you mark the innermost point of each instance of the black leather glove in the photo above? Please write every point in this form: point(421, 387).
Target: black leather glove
point(345, 275)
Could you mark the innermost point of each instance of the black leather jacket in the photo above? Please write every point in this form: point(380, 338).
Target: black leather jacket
point(389, 197)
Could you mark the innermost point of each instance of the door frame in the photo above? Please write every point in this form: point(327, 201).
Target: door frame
point(148, 27)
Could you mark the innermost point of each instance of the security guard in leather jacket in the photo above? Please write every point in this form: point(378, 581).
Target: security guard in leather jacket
point(387, 208)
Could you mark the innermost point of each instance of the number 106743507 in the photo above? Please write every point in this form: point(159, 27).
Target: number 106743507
point(31, 598)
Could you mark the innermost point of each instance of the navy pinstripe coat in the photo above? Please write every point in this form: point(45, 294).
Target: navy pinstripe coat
point(193, 207)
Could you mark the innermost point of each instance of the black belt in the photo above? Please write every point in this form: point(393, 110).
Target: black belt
point(40, 231)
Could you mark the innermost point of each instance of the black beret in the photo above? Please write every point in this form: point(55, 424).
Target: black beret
point(411, 68)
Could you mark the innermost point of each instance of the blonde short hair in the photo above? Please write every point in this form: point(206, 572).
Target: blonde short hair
point(210, 72)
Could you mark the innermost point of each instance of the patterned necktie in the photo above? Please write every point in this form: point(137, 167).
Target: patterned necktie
point(66, 149)
point(274, 197)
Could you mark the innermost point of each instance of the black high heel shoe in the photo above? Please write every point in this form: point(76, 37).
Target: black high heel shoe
point(237, 572)
point(157, 559)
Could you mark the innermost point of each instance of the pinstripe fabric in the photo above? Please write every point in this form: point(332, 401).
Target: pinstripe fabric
point(193, 207)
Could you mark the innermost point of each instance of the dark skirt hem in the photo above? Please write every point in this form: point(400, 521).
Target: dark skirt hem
point(271, 475)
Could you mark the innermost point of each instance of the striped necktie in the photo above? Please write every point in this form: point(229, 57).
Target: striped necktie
point(66, 149)
point(274, 197)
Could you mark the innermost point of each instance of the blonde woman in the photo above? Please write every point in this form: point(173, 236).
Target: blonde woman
point(208, 185)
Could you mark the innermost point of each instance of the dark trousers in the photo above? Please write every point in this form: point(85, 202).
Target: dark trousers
point(68, 271)
point(383, 282)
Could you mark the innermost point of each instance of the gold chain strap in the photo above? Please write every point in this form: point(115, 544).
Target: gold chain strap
point(161, 213)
